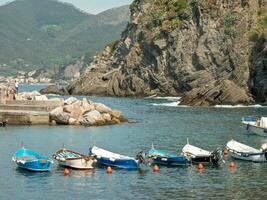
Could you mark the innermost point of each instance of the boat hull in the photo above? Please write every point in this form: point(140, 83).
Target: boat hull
point(257, 130)
point(35, 166)
point(32, 161)
point(165, 158)
point(108, 158)
point(72, 159)
point(174, 161)
point(253, 158)
point(244, 152)
point(119, 163)
point(77, 164)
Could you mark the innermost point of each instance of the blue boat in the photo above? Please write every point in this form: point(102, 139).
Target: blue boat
point(108, 158)
point(29, 160)
point(166, 158)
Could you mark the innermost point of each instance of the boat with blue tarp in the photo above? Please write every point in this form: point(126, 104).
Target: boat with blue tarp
point(256, 125)
point(166, 158)
point(30, 160)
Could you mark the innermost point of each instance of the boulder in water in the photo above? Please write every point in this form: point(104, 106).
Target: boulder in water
point(52, 89)
point(93, 118)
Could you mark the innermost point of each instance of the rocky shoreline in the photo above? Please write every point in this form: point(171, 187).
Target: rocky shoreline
point(209, 53)
point(35, 108)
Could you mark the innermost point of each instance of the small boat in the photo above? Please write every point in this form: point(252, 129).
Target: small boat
point(243, 152)
point(249, 120)
point(198, 155)
point(29, 160)
point(108, 158)
point(258, 126)
point(68, 158)
point(166, 158)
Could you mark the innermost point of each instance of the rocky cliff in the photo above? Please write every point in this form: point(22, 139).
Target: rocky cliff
point(210, 52)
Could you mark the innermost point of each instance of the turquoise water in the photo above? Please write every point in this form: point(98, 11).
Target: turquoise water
point(166, 127)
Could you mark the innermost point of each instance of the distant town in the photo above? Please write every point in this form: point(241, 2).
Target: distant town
point(23, 77)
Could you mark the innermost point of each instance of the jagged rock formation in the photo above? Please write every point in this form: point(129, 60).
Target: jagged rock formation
point(53, 89)
point(210, 52)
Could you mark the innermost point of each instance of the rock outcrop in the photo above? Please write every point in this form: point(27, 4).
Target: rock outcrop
point(87, 113)
point(210, 52)
point(53, 89)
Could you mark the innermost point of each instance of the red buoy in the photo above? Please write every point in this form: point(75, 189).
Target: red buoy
point(66, 172)
point(109, 170)
point(156, 168)
point(200, 166)
point(232, 165)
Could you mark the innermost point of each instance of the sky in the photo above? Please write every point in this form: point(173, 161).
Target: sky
point(91, 6)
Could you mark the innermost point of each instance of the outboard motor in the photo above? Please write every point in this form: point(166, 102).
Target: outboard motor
point(216, 156)
point(142, 158)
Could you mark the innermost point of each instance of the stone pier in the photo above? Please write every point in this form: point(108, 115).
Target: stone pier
point(27, 112)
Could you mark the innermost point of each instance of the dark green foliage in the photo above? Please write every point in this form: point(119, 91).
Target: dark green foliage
point(170, 10)
point(229, 22)
point(43, 33)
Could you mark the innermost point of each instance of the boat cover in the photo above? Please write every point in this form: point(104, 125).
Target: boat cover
point(195, 151)
point(98, 152)
point(241, 148)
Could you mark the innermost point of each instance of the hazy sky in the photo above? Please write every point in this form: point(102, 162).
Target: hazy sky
point(92, 6)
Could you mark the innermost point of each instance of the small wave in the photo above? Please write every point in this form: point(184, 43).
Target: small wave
point(168, 98)
point(173, 104)
point(239, 106)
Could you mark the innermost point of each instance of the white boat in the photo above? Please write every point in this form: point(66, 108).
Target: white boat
point(68, 158)
point(249, 120)
point(258, 126)
point(198, 155)
point(243, 152)
point(108, 158)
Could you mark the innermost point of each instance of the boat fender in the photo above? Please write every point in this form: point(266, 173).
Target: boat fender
point(61, 159)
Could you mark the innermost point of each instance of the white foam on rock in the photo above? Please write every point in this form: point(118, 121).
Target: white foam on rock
point(239, 106)
point(173, 104)
point(168, 98)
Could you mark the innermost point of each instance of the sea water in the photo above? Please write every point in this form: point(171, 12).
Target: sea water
point(166, 127)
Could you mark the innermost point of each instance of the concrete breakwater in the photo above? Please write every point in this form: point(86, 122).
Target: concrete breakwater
point(33, 108)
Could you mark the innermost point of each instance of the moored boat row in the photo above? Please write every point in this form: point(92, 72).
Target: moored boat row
point(27, 159)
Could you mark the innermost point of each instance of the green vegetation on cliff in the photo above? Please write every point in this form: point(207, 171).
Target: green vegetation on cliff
point(43, 33)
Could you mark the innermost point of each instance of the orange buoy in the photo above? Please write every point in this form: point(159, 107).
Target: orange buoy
point(66, 172)
point(156, 168)
point(232, 165)
point(200, 166)
point(109, 170)
point(225, 152)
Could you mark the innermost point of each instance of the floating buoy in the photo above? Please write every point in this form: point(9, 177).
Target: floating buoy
point(109, 170)
point(156, 168)
point(66, 172)
point(225, 152)
point(200, 166)
point(232, 165)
